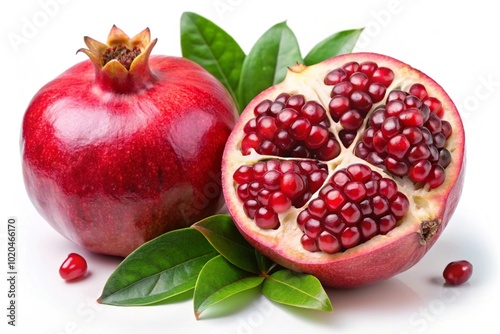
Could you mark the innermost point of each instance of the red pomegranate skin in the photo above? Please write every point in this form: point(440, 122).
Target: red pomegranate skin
point(110, 168)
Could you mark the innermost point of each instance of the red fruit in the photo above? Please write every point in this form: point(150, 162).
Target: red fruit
point(125, 146)
point(364, 218)
point(457, 272)
point(73, 267)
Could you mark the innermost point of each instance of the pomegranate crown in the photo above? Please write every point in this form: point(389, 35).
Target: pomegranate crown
point(122, 63)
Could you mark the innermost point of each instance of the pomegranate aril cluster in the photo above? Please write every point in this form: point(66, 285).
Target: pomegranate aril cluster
point(270, 187)
point(290, 126)
point(408, 137)
point(356, 87)
point(353, 207)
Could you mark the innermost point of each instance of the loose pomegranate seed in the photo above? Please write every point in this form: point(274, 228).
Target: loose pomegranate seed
point(354, 206)
point(73, 267)
point(457, 272)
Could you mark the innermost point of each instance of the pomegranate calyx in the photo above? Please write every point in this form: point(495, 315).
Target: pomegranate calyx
point(428, 229)
point(121, 65)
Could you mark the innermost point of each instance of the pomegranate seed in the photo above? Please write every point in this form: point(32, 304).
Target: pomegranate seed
point(387, 188)
point(263, 196)
point(419, 91)
point(355, 191)
point(271, 180)
point(444, 158)
point(286, 116)
point(279, 202)
point(394, 108)
point(377, 118)
point(309, 243)
point(262, 108)
point(334, 200)
point(249, 142)
point(283, 97)
point(369, 228)
point(390, 127)
point(387, 223)
point(383, 75)
point(361, 101)
point(400, 205)
point(73, 267)
point(343, 88)
point(335, 76)
point(350, 237)
point(251, 126)
point(313, 111)
point(340, 179)
point(398, 146)
point(359, 81)
point(317, 208)
point(351, 120)
point(317, 137)
point(266, 127)
point(328, 243)
point(380, 205)
point(399, 168)
point(351, 67)
point(359, 172)
point(368, 67)
point(275, 108)
point(250, 207)
point(266, 218)
point(242, 192)
point(420, 170)
point(296, 101)
point(396, 95)
point(243, 174)
point(434, 105)
point(376, 91)
point(292, 184)
point(338, 106)
point(254, 187)
point(333, 223)
point(312, 228)
point(436, 176)
point(330, 150)
point(411, 117)
point(350, 213)
point(457, 272)
point(300, 128)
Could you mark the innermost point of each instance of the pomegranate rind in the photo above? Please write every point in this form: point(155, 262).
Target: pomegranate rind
point(385, 255)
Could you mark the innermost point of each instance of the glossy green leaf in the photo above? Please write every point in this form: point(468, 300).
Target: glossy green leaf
point(336, 44)
point(295, 289)
point(267, 62)
point(207, 44)
point(265, 265)
point(219, 279)
point(227, 240)
point(161, 268)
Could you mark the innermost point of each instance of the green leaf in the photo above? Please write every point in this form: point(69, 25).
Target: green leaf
point(218, 280)
point(159, 269)
point(227, 240)
point(336, 44)
point(265, 265)
point(207, 44)
point(295, 289)
point(267, 62)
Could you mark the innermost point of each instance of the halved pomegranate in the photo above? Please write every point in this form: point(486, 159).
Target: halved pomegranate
point(348, 170)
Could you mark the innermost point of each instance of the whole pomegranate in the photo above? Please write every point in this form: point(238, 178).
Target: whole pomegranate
point(125, 146)
point(348, 170)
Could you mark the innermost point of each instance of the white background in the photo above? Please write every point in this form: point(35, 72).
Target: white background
point(455, 42)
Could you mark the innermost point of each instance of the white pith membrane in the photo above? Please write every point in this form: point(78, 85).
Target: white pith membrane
point(424, 206)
